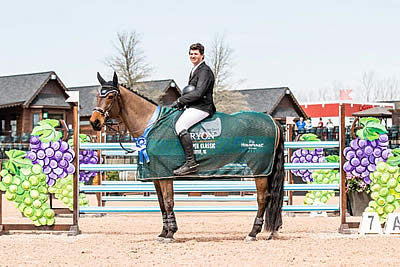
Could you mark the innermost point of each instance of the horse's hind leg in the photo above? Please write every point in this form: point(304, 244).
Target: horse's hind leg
point(262, 194)
point(167, 189)
point(164, 230)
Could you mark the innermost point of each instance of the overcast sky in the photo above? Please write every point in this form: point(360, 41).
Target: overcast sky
point(305, 45)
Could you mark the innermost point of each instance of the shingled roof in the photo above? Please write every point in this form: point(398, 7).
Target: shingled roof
point(152, 89)
point(267, 100)
point(382, 112)
point(22, 89)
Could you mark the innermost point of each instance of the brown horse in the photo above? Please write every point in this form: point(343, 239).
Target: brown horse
point(136, 110)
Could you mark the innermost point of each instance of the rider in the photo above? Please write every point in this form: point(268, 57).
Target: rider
point(197, 100)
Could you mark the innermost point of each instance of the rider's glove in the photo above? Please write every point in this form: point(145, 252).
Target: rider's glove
point(177, 104)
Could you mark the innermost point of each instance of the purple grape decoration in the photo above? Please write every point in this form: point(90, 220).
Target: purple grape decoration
point(369, 148)
point(305, 155)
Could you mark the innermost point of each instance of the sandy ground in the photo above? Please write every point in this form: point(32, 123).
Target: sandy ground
point(203, 239)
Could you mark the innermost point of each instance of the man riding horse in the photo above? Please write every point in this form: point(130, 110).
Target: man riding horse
point(197, 100)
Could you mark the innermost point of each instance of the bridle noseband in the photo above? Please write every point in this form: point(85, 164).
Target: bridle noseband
point(105, 90)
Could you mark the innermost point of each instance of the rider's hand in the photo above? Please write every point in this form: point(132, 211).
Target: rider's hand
point(177, 105)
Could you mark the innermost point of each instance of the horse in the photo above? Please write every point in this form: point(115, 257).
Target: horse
point(135, 110)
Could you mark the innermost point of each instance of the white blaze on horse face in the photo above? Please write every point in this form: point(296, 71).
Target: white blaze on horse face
point(195, 57)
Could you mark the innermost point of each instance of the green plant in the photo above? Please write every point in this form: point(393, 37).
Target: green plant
point(112, 176)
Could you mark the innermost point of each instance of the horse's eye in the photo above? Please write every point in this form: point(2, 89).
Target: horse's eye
point(110, 96)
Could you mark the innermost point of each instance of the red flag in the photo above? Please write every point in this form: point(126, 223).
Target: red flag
point(345, 94)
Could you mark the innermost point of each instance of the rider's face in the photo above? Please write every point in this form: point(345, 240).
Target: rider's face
point(195, 57)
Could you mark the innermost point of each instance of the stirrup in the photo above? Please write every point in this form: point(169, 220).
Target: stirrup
point(185, 169)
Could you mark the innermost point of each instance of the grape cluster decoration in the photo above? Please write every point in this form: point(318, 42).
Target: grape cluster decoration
point(307, 155)
point(25, 184)
point(50, 151)
point(385, 187)
point(323, 177)
point(364, 152)
point(63, 190)
point(86, 157)
point(28, 177)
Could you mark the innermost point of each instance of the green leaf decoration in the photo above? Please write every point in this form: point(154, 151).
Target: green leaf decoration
point(52, 123)
point(83, 138)
point(371, 130)
point(366, 120)
point(46, 131)
point(309, 137)
point(16, 161)
point(396, 152)
point(393, 161)
point(332, 158)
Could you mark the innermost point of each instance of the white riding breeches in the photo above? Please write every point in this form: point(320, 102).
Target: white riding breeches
point(189, 117)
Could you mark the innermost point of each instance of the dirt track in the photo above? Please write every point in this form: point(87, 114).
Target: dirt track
point(204, 239)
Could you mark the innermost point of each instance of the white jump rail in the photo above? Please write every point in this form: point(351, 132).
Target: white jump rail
point(205, 209)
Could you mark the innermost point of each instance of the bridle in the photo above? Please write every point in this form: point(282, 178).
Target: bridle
point(103, 93)
point(105, 90)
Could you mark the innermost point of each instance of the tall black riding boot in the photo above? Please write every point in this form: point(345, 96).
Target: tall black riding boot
point(190, 165)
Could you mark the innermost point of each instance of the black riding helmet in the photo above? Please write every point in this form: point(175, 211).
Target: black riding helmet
point(187, 89)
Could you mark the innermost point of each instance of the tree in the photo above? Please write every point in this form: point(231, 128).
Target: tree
point(230, 101)
point(221, 62)
point(129, 62)
point(387, 89)
point(368, 84)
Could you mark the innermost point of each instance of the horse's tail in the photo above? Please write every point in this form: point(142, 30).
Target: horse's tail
point(273, 211)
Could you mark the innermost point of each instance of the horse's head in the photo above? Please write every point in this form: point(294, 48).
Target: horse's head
point(107, 106)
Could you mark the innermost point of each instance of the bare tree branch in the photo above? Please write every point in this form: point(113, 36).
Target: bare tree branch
point(230, 101)
point(368, 84)
point(129, 62)
point(221, 61)
point(220, 58)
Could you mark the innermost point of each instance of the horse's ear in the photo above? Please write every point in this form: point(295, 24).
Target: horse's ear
point(101, 80)
point(115, 80)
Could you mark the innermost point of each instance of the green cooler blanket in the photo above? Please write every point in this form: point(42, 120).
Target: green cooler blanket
point(237, 145)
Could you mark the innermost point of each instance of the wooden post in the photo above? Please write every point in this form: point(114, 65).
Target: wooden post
point(76, 162)
point(290, 152)
point(344, 225)
point(1, 202)
point(98, 175)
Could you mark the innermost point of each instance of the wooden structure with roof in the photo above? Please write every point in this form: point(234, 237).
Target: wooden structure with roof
point(28, 98)
point(278, 102)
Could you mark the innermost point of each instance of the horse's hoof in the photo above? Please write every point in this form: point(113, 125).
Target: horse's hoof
point(160, 238)
point(167, 240)
point(274, 235)
point(250, 238)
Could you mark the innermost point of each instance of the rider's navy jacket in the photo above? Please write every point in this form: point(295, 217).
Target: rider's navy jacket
point(202, 97)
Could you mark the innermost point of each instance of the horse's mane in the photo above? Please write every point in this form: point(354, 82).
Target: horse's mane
point(139, 94)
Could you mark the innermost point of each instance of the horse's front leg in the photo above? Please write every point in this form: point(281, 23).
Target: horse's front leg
point(164, 230)
point(167, 189)
point(262, 194)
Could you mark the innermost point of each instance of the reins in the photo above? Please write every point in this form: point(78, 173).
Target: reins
point(106, 114)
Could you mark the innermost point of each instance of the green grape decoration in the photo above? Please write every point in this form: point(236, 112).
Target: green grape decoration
point(25, 183)
point(323, 177)
point(385, 187)
point(63, 190)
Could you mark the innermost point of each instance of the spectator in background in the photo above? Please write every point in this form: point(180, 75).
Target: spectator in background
point(300, 124)
point(330, 126)
point(308, 125)
point(320, 123)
